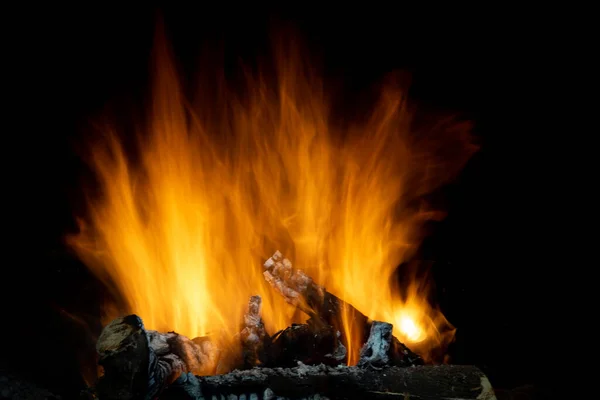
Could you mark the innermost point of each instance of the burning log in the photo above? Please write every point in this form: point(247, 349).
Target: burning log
point(300, 290)
point(383, 349)
point(455, 382)
point(324, 308)
point(254, 337)
point(140, 364)
point(309, 344)
point(252, 348)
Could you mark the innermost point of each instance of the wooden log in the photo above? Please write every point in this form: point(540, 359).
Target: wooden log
point(383, 349)
point(309, 344)
point(255, 340)
point(456, 382)
point(199, 355)
point(139, 364)
point(300, 290)
point(250, 347)
point(376, 351)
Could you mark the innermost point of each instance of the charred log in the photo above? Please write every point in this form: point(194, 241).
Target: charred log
point(250, 348)
point(130, 365)
point(309, 344)
point(139, 364)
point(326, 309)
point(300, 290)
point(255, 340)
point(376, 351)
point(383, 349)
point(231, 357)
point(199, 355)
point(311, 382)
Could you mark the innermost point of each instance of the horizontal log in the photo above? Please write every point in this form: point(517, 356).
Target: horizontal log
point(131, 368)
point(456, 382)
point(139, 364)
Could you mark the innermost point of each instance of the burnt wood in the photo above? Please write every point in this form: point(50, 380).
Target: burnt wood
point(307, 343)
point(383, 349)
point(255, 341)
point(456, 382)
point(326, 309)
point(129, 363)
point(139, 364)
point(250, 347)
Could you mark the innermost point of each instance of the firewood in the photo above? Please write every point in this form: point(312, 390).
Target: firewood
point(324, 308)
point(199, 355)
point(254, 337)
point(457, 382)
point(307, 343)
point(139, 364)
point(383, 349)
point(250, 347)
point(376, 351)
point(299, 289)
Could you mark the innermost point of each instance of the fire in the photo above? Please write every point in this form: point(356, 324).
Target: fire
point(184, 224)
point(408, 328)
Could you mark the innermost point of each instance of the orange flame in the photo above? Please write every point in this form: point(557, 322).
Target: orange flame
point(182, 230)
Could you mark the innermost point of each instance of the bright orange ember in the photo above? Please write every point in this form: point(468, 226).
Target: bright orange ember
point(182, 232)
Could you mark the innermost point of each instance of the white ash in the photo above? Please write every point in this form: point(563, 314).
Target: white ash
point(302, 369)
point(289, 294)
point(375, 352)
point(268, 394)
point(254, 329)
point(340, 351)
point(289, 282)
point(197, 356)
point(252, 316)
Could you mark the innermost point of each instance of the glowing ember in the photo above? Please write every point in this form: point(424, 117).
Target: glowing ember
point(182, 232)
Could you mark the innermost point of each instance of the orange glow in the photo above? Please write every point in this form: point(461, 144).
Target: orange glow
point(182, 229)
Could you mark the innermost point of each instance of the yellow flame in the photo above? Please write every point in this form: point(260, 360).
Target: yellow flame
point(181, 230)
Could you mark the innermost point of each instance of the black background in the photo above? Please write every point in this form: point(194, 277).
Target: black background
point(71, 63)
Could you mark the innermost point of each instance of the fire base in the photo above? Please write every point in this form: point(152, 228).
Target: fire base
point(305, 361)
point(321, 382)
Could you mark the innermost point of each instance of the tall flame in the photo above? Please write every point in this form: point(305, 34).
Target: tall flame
point(182, 228)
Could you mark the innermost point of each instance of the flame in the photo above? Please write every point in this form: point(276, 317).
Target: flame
point(184, 224)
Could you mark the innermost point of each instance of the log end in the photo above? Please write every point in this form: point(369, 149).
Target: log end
point(115, 335)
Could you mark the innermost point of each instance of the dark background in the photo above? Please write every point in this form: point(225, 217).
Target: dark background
point(72, 63)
